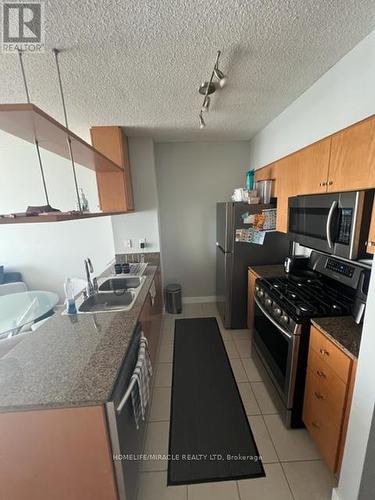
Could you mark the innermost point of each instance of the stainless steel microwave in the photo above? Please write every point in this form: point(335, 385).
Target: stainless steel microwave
point(335, 223)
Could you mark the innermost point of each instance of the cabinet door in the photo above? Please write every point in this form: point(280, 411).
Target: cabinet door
point(303, 172)
point(285, 187)
point(352, 164)
point(115, 188)
point(311, 168)
point(150, 317)
point(60, 453)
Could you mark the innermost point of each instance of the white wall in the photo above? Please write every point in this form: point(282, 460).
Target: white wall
point(144, 222)
point(362, 408)
point(344, 95)
point(47, 253)
point(192, 177)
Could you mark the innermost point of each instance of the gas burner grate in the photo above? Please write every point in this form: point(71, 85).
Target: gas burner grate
point(308, 297)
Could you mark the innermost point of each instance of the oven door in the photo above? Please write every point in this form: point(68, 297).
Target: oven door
point(278, 349)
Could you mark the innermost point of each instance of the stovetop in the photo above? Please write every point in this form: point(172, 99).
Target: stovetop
point(307, 297)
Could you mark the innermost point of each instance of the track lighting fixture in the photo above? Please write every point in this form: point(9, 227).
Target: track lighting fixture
point(202, 123)
point(210, 87)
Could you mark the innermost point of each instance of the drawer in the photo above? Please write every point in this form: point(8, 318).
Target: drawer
point(328, 378)
point(330, 353)
point(325, 433)
point(329, 405)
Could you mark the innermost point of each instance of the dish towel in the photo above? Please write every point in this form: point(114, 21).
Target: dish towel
point(153, 293)
point(141, 388)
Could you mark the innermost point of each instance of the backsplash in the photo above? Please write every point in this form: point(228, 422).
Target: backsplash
point(151, 258)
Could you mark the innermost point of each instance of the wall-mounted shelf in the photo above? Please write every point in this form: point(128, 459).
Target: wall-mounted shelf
point(28, 122)
point(54, 217)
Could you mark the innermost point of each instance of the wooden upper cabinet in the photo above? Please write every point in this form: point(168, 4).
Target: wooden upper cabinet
point(115, 188)
point(352, 164)
point(311, 168)
point(303, 172)
point(285, 188)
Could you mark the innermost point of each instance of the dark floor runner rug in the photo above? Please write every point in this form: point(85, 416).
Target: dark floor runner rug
point(210, 438)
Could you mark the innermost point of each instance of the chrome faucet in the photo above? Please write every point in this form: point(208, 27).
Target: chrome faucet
point(92, 286)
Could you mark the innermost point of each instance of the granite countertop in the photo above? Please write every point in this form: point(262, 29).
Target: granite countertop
point(343, 331)
point(70, 360)
point(269, 271)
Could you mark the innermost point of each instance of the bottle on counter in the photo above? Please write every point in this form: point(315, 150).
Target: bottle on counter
point(70, 299)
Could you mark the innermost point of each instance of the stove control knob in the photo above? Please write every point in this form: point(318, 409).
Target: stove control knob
point(277, 311)
point(268, 301)
point(256, 288)
point(260, 293)
point(285, 318)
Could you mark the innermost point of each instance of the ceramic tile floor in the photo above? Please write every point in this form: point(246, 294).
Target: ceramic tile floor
point(294, 470)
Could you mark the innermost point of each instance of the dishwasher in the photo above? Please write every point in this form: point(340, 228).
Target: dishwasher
point(126, 439)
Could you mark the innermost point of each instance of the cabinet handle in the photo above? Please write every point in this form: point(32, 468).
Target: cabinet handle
point(314, 424)
point(324, 352)
point(318, 395)
point(322, 184)
point(321, 374)
point(370, 243)
point(330, 183)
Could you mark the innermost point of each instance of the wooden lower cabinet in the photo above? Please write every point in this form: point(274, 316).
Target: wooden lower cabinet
point(151, 316)
point(59, 454)
point(328, 393)
point(252, 276)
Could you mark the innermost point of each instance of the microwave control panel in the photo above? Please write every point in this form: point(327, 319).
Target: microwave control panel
point(340, 267)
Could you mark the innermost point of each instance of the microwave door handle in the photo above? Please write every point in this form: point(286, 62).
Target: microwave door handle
point(329, 223)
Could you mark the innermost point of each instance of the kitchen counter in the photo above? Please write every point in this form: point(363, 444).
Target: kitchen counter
point(70, 360)
point(343, 331)
point(268, 271)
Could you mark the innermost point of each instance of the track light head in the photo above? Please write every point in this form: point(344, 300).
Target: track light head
point(206, 104)
point(202, 123)
point(220, 76)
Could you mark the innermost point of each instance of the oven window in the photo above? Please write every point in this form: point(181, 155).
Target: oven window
point(274, 341)
point(308, 221)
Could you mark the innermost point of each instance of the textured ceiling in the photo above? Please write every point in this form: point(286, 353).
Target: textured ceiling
point(138, 63)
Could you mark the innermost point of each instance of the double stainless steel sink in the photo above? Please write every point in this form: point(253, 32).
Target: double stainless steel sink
point(114, 294)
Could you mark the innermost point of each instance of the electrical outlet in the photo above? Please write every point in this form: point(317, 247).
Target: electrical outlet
point(142, 243)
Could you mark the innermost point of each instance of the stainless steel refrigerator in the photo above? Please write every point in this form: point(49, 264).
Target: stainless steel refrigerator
point(233, 259)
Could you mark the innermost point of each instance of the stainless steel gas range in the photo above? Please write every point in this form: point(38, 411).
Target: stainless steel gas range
point(283, 309)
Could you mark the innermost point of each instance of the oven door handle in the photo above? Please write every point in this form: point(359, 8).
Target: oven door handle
point(329, 224)
point(268, 316)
